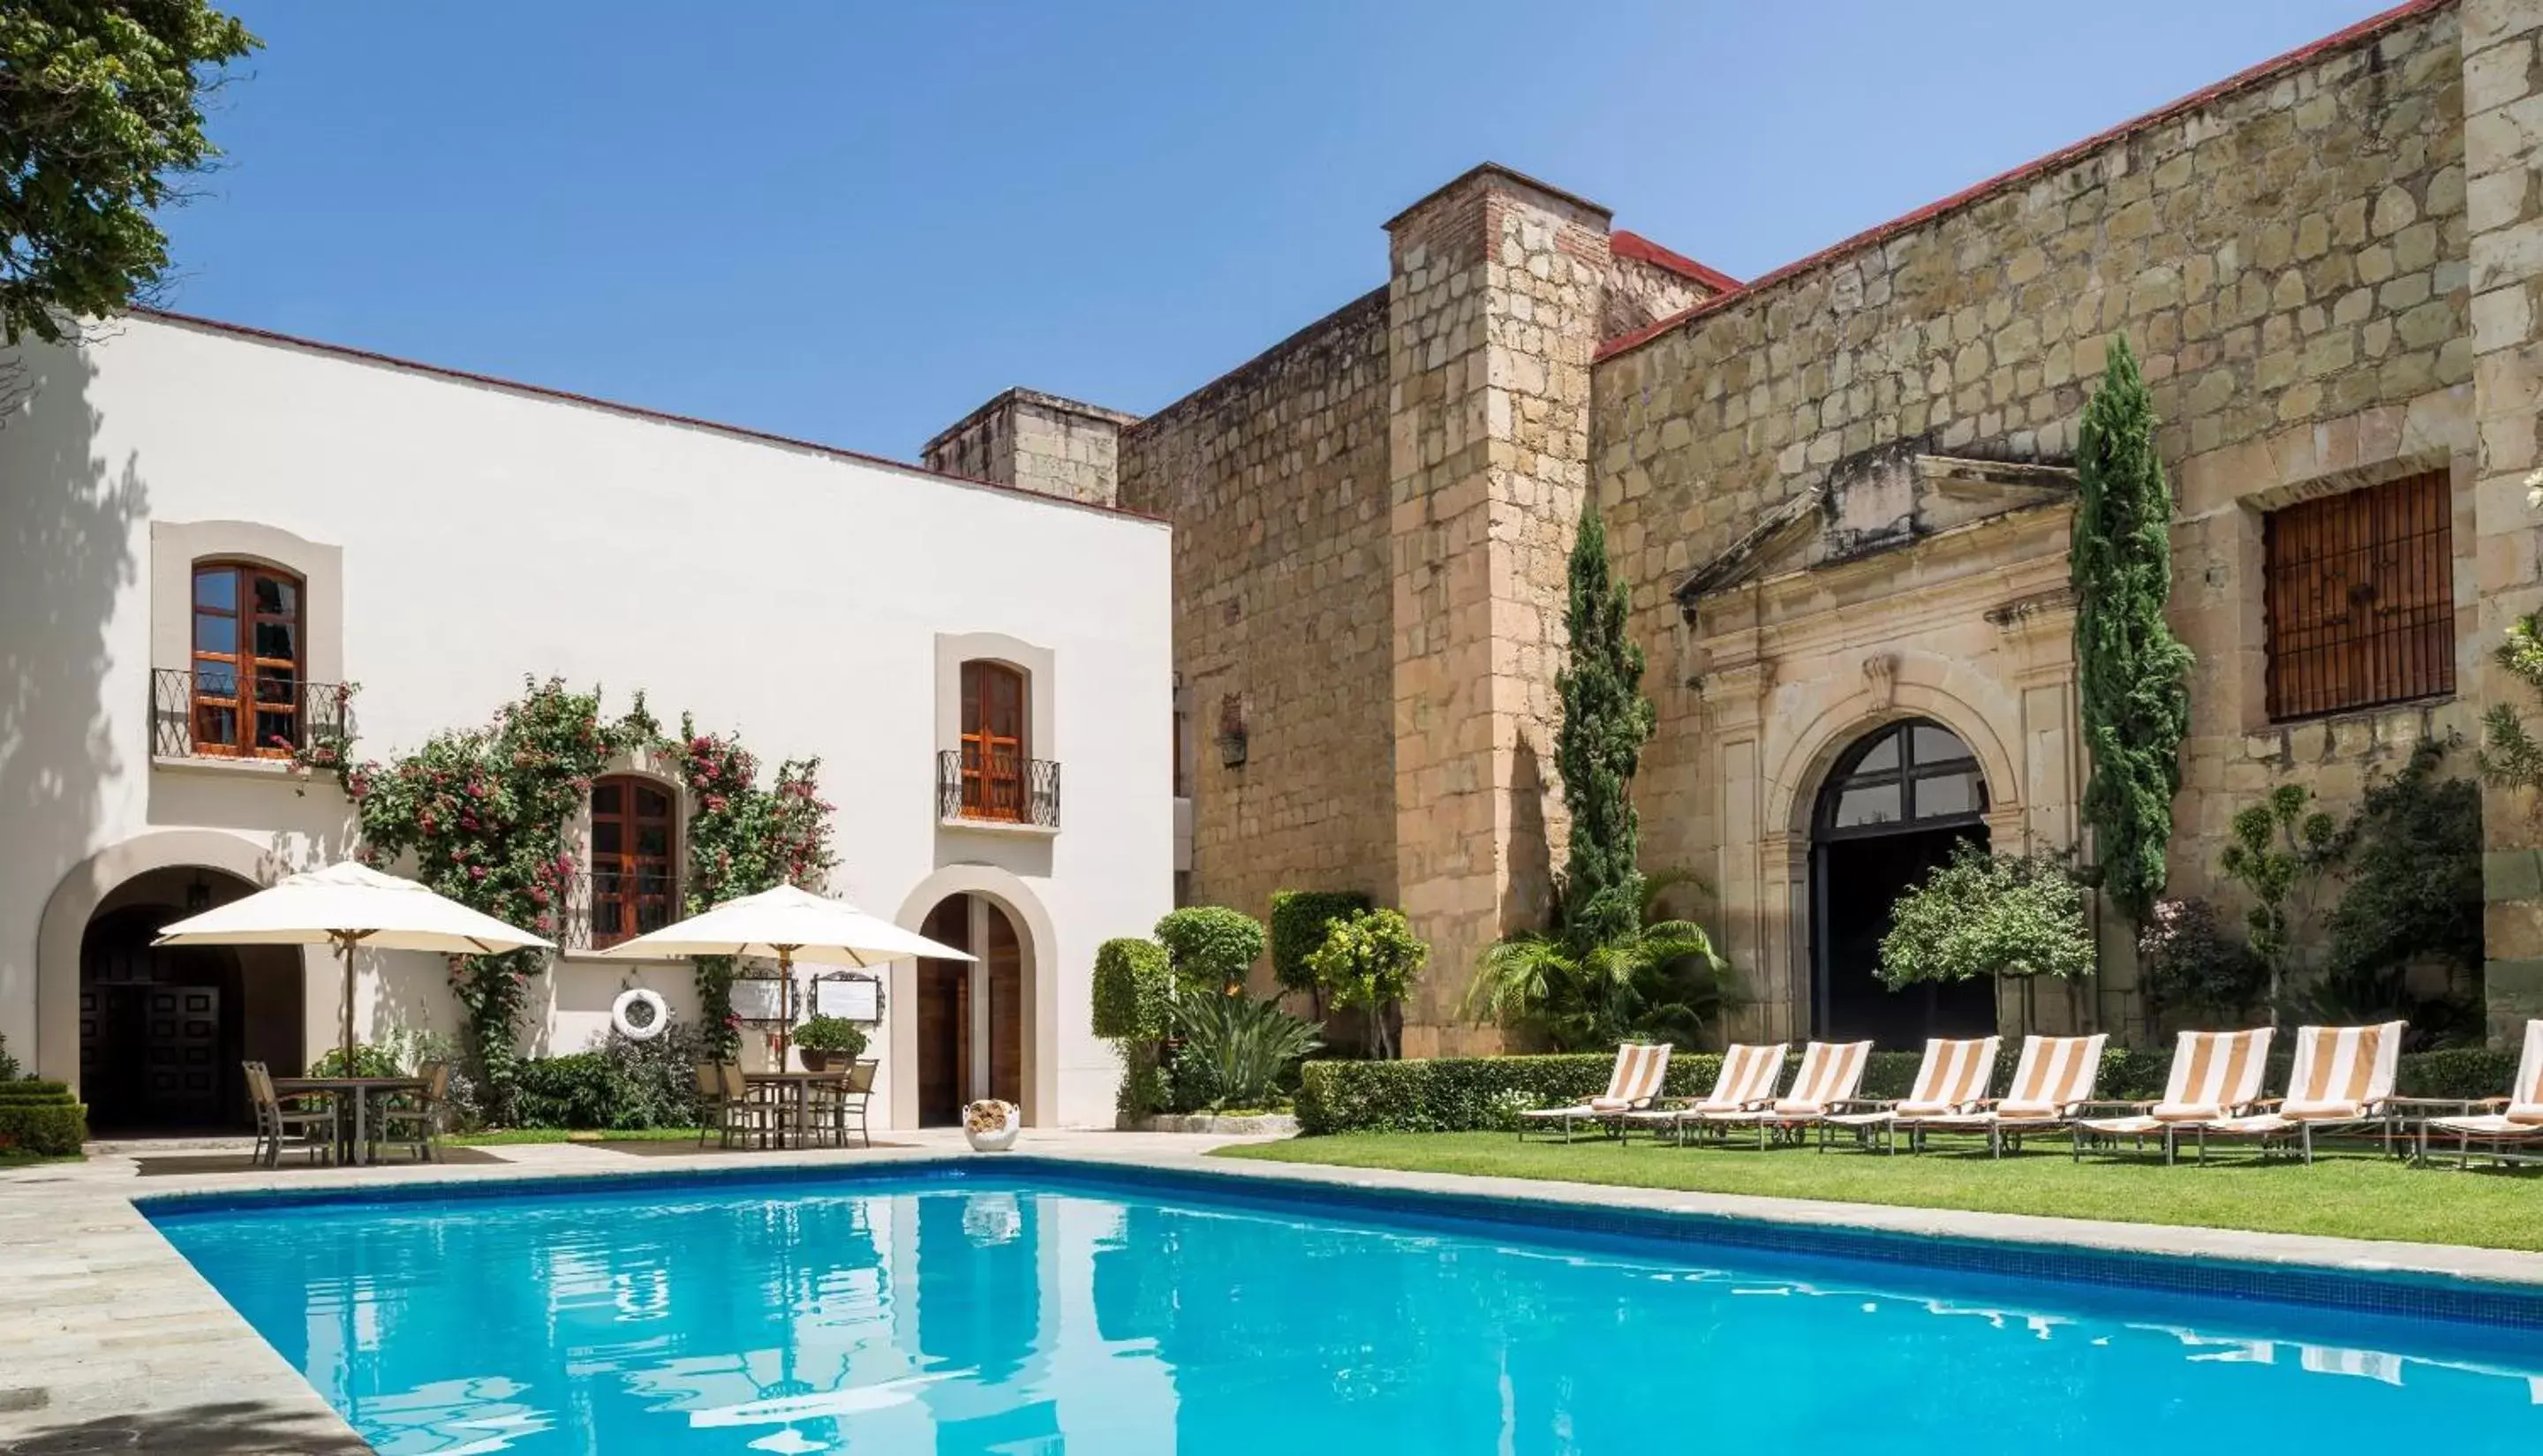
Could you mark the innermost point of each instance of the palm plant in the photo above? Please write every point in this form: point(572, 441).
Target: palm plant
point(1658, 977)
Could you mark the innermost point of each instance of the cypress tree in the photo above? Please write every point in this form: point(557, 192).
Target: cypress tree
point(1606, 721)
point(2135, 674)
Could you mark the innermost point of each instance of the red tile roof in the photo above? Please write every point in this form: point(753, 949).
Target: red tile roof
point(1642, 250)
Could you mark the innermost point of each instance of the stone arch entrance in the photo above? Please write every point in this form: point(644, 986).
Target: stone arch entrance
point(1895, 804)
point(163, 1029)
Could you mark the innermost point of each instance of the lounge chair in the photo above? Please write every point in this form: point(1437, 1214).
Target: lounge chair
point(312, 1129)
point(1832, 1074)
point(2343, 1082)
point(2515, 1118)
point(1951, 1082)
point(2215, 1074)
point(1745, 1084)
point(2051, 1086)
point(1635, 1084)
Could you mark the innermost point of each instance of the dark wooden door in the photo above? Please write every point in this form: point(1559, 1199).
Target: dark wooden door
point(1006, 977)
point(993, 741)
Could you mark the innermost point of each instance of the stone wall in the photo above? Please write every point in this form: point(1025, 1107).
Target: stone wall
point(1276, 477)
point(2288, 257)
point(1038, 443)
point(1496, 306)
point(2502, 50)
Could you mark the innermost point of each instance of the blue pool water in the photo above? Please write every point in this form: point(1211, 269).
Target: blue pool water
point(1030, 1313)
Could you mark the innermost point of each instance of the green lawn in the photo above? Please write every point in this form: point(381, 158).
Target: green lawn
point(515, 1137)
point(2349, 1194)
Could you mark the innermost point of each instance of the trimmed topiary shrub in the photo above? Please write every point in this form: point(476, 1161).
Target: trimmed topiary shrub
point(1300, 919)
point(1134, 990)
point(42, 1117)
point(1211, 947)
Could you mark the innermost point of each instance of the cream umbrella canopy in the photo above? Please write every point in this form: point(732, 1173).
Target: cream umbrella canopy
point(787, 924)
point(347, 905)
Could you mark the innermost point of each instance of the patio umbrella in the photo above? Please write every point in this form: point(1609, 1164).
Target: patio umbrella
point(347, 906)
point(789, 925)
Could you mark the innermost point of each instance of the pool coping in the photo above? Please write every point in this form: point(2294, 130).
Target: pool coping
point(101, 1314)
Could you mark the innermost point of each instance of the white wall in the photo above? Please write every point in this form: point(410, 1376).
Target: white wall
point(789, 594)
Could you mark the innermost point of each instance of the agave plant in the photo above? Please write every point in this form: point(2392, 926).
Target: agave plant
point(1235, 1048)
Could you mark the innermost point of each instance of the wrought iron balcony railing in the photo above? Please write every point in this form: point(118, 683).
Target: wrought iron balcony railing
point(997, 789)
point(217, 713)
point(598, 907)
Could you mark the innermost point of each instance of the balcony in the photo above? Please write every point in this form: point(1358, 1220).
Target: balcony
point(601, 905)
point(218, 715)
point(997, 792)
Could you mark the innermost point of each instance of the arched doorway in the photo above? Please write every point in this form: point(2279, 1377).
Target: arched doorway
point(163, 1029)
point(971, 1018)
point(1892, 808)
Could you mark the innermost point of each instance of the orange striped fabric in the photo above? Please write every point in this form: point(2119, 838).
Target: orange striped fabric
point(1831, 1073)
point(1640, 1068)
point(2341, 1071)
point(2055, 1073)
point(1748, 1077)
point(2213, 1073)
point(1954, 1075)
point(2525, 1098)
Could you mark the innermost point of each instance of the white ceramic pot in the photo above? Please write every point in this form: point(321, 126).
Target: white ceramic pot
point(994, 1132)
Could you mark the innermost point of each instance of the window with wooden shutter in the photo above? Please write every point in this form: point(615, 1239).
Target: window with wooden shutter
point(993, 741)
point(2361, 598)
point(632, 881)
point(247, 653)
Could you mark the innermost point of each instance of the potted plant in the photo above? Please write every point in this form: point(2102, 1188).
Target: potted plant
point(824, 1039)
point(991, 1125)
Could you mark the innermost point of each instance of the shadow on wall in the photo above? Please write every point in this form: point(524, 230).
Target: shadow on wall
point(1531, 852)
point(67, 523)
point(228, 1428)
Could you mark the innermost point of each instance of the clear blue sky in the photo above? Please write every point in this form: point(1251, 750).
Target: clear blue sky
point(853, 222)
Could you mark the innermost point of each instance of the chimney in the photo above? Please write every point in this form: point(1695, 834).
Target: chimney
point(1038, 442)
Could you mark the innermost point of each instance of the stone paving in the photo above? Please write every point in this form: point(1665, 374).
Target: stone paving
point(110, 1342)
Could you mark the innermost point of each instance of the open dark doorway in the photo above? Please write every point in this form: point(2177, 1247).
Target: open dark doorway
point(163, 1029)
point(1892, 808)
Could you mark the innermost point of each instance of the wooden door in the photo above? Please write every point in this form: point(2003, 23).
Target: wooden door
point(1006, 978)
point(993, 741)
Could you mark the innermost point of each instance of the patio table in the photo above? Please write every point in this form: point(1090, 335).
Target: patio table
point(792, 1094)
point(357, 1090)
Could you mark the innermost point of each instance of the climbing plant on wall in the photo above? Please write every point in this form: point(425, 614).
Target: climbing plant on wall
point(2135, 689)
point(484, 816)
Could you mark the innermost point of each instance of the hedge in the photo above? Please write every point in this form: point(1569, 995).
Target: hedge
point(1477, 1093)
point(1300, 919)
point(42, 1117)
point(1134, 989)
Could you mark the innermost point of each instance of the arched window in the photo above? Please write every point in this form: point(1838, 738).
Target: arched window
point(632, 881)
point(1915, 774)
point(993, 741)
point(248, 693)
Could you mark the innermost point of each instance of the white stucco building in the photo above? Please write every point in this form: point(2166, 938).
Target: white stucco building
point(187, 501)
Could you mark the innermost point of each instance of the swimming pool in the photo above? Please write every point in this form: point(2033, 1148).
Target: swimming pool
point(1038, 1306)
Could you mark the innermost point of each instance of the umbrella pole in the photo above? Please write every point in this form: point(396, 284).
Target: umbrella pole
point(346, 943)
point(785, 1003)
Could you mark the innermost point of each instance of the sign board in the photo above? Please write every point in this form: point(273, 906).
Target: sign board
point(855, 998)
point(755, 1001)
